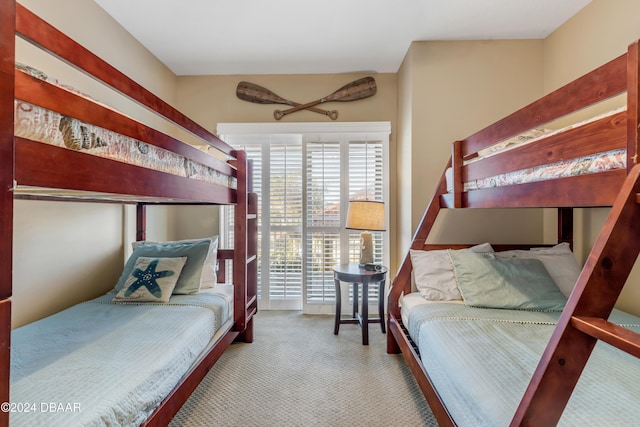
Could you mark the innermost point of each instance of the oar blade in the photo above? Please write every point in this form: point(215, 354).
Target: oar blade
point(358, 89)
point(252, 92)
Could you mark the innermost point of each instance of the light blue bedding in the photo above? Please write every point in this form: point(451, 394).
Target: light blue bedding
point(103, 363)
point(481, 361)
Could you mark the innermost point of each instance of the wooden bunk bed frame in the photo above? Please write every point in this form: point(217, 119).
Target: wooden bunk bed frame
point(34, 164)
point(584, 319)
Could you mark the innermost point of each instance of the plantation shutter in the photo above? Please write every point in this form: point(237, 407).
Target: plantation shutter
point(304, 183)
point(284, 222)
point(324, 200)
point(366, 183)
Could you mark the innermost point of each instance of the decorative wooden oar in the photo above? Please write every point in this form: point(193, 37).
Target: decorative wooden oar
point(255, 93)
point(358, 89)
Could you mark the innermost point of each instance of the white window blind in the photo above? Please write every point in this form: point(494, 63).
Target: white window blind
point(324, 205)
point(304, 183)
point(366, 183)
point(252, 145)
point(284, 220)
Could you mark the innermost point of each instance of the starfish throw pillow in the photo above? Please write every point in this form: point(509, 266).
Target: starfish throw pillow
point(151, 280)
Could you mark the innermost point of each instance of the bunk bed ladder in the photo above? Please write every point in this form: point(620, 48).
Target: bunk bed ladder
point(245, 249)
point(584, 319)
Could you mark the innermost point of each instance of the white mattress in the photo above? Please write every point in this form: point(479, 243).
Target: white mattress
point(481, 361)
point(225, 291)
point(410, 301)
point(108, 364)
point(592, 163)
point(50, 127)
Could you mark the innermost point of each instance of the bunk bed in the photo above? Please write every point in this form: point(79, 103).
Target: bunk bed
point(147, 167)
point(568, 357)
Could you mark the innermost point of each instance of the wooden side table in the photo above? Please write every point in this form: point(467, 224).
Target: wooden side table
point(354, 274)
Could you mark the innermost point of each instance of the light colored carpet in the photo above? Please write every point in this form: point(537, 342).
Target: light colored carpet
point(298, 373)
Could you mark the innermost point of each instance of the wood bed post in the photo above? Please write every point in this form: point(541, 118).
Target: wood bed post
point(240, 242)
point(141, 222)
point(7, 148)
point(565, 226)
point(245, 259)
point(633, 119)
point(7, 153)
point(456, 166)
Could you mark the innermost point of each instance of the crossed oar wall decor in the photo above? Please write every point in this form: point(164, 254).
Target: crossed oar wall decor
point(357, 89)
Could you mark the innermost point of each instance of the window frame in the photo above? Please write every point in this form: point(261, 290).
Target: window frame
point(314, 132)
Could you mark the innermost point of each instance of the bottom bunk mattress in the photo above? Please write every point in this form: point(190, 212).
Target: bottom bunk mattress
point(481, 360)
point(110, 363)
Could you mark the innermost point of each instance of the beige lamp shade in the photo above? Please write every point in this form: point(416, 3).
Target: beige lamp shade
point(365, 215)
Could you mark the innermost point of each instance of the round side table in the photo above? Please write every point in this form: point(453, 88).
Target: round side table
point(355, 274)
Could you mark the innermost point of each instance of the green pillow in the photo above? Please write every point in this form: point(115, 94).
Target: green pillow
point(488, 281)
point(189, 280)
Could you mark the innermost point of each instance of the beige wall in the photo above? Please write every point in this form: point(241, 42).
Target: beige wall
point(599, 33)
point(68, 252)
point(403, 200)
point(99, 33)
point(448, 90)
point(212, 99)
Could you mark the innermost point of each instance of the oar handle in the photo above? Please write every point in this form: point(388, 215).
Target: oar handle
point(332, 114)
point(299, 107)
point(252, 92)
point(357, 89)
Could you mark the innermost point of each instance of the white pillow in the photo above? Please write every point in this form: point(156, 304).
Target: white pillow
point(433, 273)
point(210, 270)
point(559, 261)
point(209, 276)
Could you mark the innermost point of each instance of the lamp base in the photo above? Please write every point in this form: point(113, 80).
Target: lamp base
point(366, 248)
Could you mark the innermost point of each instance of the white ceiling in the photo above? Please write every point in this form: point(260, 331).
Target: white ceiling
point(200, 37)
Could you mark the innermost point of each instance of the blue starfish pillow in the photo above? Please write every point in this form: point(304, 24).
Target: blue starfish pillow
point(151, 280)
point(195, 251)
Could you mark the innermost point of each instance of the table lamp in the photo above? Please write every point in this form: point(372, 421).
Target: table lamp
point(366, 215)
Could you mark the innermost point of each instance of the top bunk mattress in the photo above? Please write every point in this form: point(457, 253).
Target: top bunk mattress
point(106, 363)
point(481, 360)
point(588, 164)
point(43, 125)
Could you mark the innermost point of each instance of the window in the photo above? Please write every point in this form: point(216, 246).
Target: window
point(304, 181)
